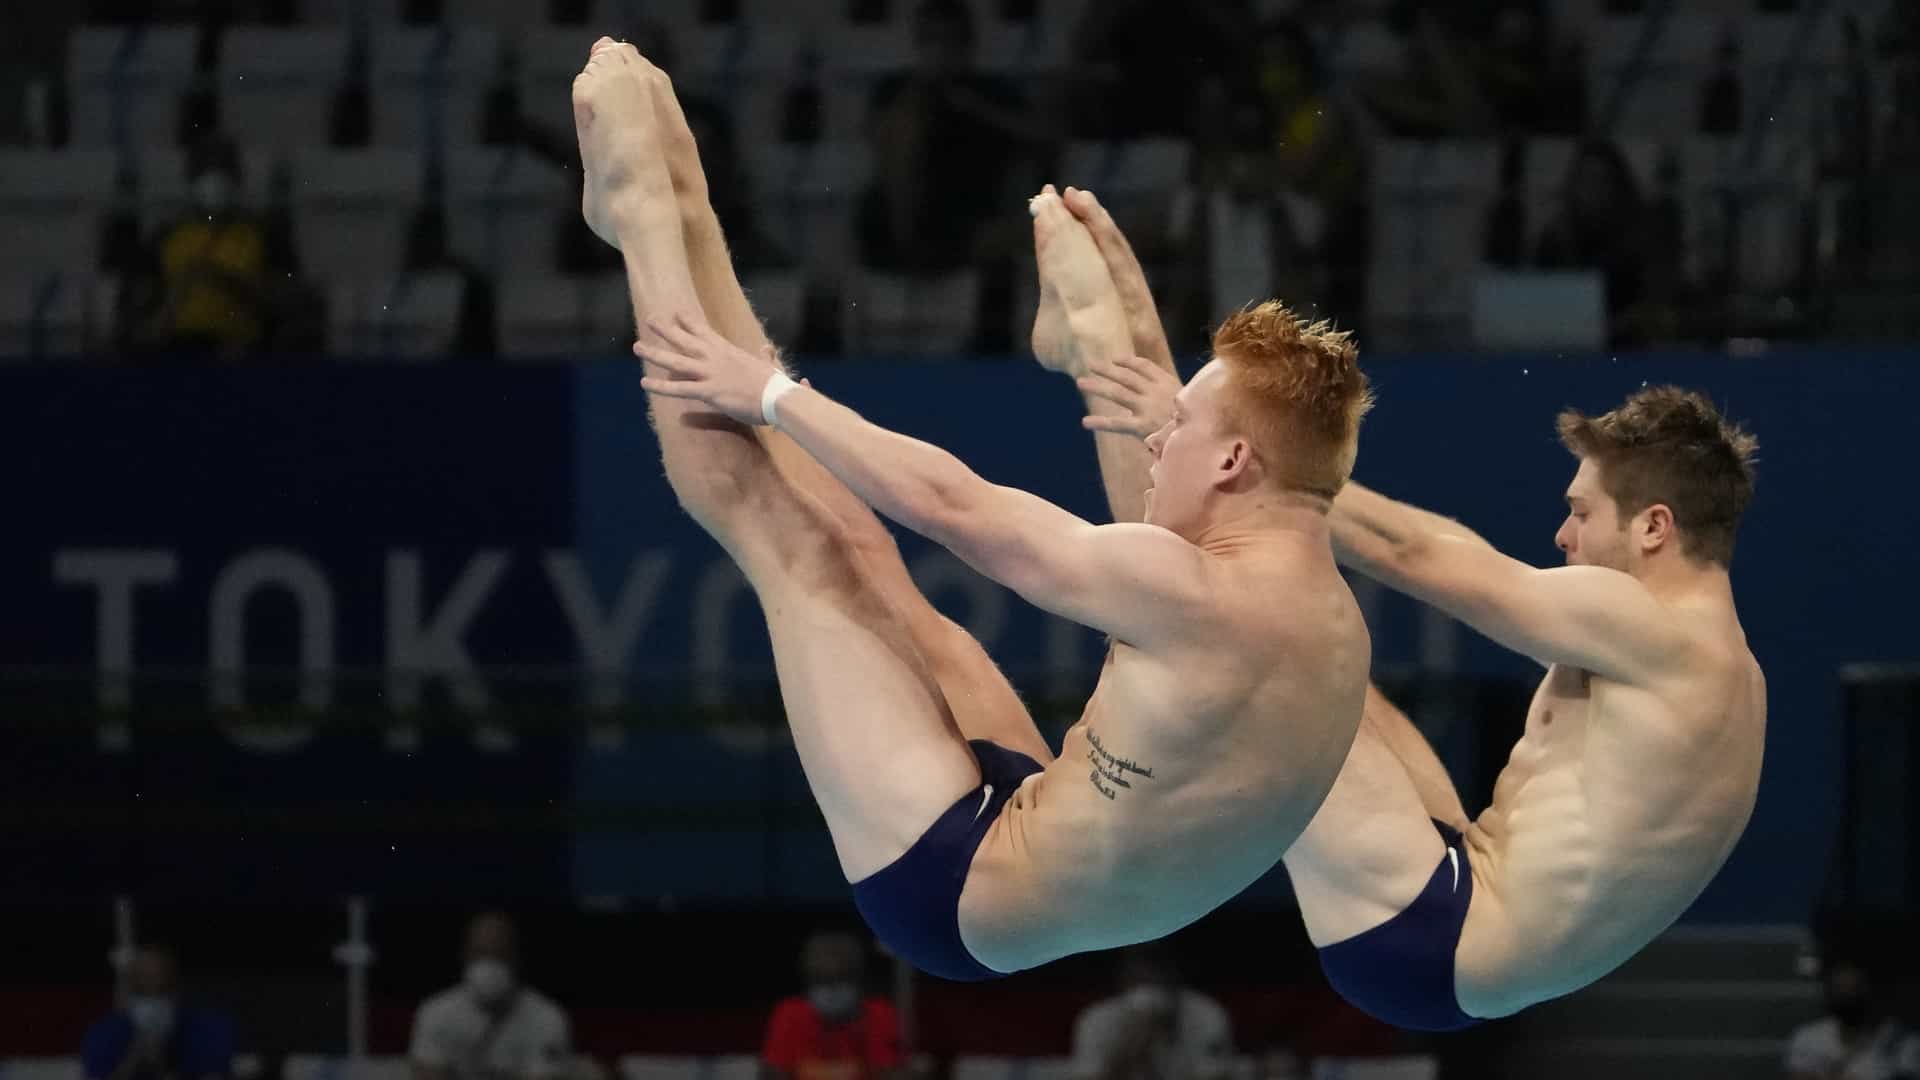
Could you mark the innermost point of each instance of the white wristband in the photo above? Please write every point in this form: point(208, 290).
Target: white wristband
point(778, 386)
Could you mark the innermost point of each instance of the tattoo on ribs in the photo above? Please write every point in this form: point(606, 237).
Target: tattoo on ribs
point(1111, 768)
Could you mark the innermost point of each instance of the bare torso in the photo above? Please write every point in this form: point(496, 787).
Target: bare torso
point(1190, 772)
point(1618, 805)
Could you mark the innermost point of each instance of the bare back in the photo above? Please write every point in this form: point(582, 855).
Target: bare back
point(1189, 774)
point(1618, 805)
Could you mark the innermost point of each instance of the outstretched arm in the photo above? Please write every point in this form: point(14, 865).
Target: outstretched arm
point(1139, 583)
point(1589, 617)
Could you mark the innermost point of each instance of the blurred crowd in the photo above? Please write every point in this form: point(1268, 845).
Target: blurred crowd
point(490, 1024)
point(1277, 184)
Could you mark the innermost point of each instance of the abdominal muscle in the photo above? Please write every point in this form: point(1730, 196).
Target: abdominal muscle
point(1608, 821)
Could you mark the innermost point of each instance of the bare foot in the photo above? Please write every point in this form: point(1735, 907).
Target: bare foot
point(1080, 314)
point(620, 156)
point(1143, 317)
point(676, 140)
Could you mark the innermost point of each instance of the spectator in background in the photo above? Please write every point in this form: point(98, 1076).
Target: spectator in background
point(1857, 1039)
point(491, 1026)
point(835, 1030)
point(1720, 107)
point(153, 1035)
point(952, 163)
point(1321, 169)
point(944, 139)
point(1504, 242)
point(1155, 1029)
point(1140, 63)
point(210, 268)
point(1438, 92)
point(1602, 225)
point(1515, 68)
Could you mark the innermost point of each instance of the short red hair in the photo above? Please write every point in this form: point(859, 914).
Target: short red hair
point(1296, 391)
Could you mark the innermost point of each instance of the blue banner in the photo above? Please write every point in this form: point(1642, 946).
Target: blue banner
point(466, 540)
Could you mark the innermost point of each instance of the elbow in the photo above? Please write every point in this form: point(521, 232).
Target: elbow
point(944, 501)
point(1401, 559)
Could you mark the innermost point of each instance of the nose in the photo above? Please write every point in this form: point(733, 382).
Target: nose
point(1564, 538)
point(1156, 440)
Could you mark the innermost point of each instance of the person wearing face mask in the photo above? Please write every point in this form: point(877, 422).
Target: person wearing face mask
point(491, 1026)
point(153, 1036)
point(834, 1030)
point(1857, 1039)
point(211, 265)
point(1155, 1028)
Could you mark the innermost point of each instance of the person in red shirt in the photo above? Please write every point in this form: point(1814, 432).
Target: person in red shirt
point(835, 1030)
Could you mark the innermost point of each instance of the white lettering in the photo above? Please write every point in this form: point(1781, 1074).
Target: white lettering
point(227, 624)
point(423, 647)
point(714, 600)
point(114, 575)
point(607, 640)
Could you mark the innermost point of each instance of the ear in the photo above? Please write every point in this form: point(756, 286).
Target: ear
point(1655, 528)
point(1235, 462)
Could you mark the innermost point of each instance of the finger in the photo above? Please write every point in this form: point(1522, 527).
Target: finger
point(699, 329)
point(1112, 425)
point(672, 333)
point(1146, 369)
point(1119, 376)
point(673, 388)
point(1108, 391)
point(668, 360)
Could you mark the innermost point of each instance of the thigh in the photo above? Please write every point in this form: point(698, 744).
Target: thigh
point(1369, 850)
point(876, 739)
point(1429, 775)
point(983, 703)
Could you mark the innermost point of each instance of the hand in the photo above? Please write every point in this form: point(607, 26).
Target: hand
point(1140, 386)
point(701, 365)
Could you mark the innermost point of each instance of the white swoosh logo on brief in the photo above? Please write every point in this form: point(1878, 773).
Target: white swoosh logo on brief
point(1455, 857)
point(988, 794)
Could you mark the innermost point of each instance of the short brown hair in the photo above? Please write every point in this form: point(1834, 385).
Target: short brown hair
point(1671, 446)
point(1297, 392)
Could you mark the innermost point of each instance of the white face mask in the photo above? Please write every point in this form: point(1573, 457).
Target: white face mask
point(489, 979)
point(835, 998)
point(1152, 999)
point(151, 1014)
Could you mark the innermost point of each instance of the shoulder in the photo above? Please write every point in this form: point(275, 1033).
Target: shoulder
point(1203, 1009)
point(1815, 1037)
point(792, 1010)
point(1100, 1015)
point(542, 1009)
point(447, 1006)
